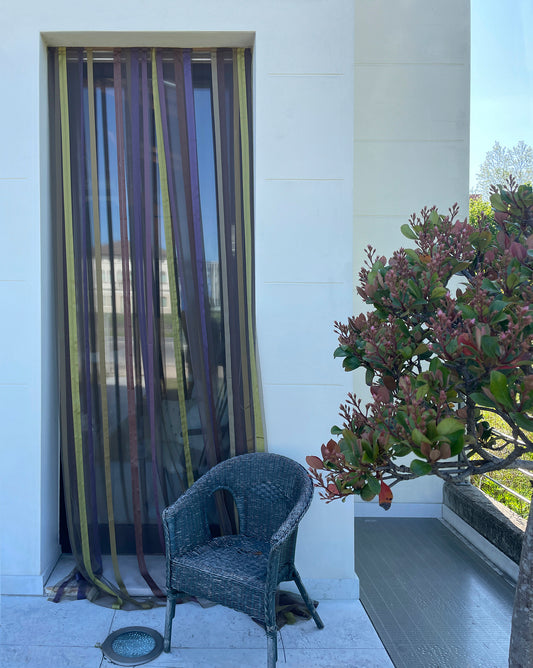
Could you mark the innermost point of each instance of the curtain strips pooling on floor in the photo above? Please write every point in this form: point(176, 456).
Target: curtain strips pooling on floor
point(155, 277)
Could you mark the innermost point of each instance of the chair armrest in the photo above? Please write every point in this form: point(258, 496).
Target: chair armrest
point(290, 524)
point(185, 523)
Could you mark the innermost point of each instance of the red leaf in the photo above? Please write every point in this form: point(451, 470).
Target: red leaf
point(314, 462)
point(385, 496)
point(330, 450)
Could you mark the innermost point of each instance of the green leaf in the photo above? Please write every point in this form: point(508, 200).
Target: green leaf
point(367, 449)
point(499, 389)
point(512, 280)
point(418, 467)
point(420, 349)
point(418, 437)
point(481, 399)
point(449, 426)
point(461, 266)
point(431, 430)
point(414, 289)
point(523, 421)
point(438, 292)
point(408, 232)
point(497, 306)
point(452, 346)
point(350, 363)
point(467, 311)
point(366, 493)
point(422, 391)
point(369, 377)
point(336, 430)
point(490, 286)
point(401, 449)
point(497, 202)
point(350, 438)
point(350, 456)
point(400, 417)
point(434, 217)
point(341, 351)
point(490, 346)
point(375, 485)
point(412, 254)
point(402, 326)
point(457, 443)
point(407, 352)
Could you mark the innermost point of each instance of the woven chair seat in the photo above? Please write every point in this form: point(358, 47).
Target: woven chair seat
point(231, 570)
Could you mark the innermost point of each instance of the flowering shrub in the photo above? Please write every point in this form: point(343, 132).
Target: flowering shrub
point(433, 359)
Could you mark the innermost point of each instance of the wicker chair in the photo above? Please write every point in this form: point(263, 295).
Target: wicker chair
point(271, 493)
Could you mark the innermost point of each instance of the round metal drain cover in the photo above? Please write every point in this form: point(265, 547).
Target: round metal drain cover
point(132, 646)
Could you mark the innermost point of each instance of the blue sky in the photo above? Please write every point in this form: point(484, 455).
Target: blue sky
point(501, 76)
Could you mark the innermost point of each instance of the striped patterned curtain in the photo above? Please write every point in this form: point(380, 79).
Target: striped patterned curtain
point(152, 179)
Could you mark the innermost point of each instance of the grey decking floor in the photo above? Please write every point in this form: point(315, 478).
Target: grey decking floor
point(433, 601)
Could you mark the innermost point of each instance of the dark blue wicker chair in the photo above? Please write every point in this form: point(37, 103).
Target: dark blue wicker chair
point(271, 494)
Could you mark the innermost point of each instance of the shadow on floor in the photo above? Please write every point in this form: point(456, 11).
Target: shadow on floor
point(433, 601)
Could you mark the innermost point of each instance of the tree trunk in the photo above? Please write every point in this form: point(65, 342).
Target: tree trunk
point(521, 647)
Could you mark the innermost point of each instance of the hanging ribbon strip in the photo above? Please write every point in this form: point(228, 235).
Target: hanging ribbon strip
point(158, 94)
point(198, 241)
point(132, 416)
point(240, 253)
point(218, 100)
point(247, 218)
point(100, 325)
point(72, 325)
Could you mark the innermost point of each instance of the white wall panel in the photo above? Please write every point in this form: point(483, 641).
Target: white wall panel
point(412, 31)
point(305, 221)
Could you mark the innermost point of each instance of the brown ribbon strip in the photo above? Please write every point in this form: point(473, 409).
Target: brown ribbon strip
point(126, 291)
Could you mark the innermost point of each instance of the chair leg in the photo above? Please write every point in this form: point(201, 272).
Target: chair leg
point(272, 649)
point(171, 609)
point(271, 628)
point(308, 602)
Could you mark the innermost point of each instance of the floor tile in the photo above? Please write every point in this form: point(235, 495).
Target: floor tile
point(209, 658)
point(34, 621)
point(450, 656)
point(195, 627)
point(346, 625)
point(31, 656)
point(335, 658)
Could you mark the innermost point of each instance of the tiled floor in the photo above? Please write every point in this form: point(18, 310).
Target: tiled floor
point(38, 633)
point(434, 602)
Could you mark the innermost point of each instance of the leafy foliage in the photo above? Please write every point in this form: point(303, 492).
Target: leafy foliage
point(479, 209)
point(434, 361)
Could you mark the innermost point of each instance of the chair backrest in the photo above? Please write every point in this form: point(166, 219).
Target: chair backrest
point(266, 488)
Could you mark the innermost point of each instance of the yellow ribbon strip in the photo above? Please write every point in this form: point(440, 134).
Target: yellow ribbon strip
point(245, 153)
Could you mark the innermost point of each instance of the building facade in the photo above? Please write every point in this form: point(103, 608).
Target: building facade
point(361, 116)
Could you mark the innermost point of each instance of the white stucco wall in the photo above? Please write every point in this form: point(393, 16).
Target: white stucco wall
point(325, 186)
